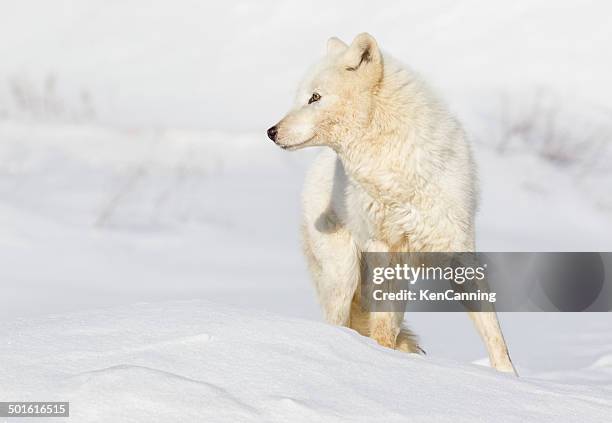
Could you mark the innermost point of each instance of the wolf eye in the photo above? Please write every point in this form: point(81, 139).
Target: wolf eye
point(314, 97)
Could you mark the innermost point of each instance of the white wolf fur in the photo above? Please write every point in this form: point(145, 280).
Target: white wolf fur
point(399, 177)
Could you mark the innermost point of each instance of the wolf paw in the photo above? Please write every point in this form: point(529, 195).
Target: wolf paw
point(407, 342)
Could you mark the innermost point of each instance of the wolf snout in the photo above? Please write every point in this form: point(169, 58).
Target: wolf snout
point(272, 132)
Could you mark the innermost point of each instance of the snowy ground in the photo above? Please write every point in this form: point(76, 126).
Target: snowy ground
point(135, 169)
point(193, 361)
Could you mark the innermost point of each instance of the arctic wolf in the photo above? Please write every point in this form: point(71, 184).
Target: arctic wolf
point(398, 176)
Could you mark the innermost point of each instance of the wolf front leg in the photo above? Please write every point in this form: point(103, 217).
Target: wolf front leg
point(384, 327)
point(335, 292)
point(334, 264)
point(488, 327)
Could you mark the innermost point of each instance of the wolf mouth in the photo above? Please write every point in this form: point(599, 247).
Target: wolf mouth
point(295, 146)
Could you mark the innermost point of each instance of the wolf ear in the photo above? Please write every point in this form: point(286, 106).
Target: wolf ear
point(364, 56)
point(335, 46)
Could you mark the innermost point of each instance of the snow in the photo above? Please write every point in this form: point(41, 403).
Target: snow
point(149, 246)
point(194, 361)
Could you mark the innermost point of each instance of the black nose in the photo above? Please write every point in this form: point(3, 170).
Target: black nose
point(272, 133)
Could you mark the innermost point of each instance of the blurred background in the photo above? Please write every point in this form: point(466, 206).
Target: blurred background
point(134, 164)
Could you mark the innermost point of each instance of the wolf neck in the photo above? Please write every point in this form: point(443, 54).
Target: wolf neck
point(384, 162)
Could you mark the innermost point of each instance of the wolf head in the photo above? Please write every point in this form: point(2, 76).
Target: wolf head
point(335, 102)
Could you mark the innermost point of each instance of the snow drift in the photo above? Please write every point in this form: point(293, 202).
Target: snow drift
point(194, 361)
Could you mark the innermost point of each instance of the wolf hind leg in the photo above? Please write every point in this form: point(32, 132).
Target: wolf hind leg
point(488, 327)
